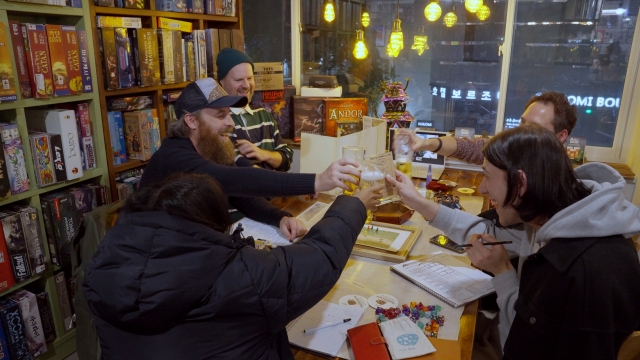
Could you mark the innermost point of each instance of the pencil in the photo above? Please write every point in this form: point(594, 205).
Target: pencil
point(488, 243)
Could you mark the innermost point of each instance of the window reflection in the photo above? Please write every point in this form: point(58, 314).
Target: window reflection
point(455, 82)
point(577, 47)
point(580, 48)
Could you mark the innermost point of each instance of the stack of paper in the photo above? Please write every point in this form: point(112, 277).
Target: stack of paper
point(328, 340)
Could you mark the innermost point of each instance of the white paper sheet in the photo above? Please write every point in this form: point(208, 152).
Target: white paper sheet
point(328, 340)
point(313, 214)
point(261, 231)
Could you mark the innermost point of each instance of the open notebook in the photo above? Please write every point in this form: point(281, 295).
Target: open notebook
point(446, 278)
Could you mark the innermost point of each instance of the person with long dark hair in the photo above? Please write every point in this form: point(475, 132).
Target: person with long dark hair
point(577, 289)
point(169, 282)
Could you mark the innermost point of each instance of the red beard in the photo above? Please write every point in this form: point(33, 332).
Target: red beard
point(212, 147)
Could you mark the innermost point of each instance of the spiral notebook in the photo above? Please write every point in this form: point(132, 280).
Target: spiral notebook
point(446, 278)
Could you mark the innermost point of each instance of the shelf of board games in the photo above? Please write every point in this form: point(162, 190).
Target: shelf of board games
point(14, 112)
point(149, 18)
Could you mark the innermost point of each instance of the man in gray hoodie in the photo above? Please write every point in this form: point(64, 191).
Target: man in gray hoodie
point(601, 214)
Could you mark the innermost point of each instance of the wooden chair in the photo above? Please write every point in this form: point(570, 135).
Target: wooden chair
point(630, 349)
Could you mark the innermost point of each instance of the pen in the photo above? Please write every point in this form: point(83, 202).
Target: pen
point(327, 325)
point(488, 243)
point(429, 175)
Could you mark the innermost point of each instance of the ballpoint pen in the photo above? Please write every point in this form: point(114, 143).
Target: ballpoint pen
point(327, 325)
point(488, 243)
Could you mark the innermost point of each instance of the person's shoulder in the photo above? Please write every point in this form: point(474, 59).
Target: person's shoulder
point(262, 113)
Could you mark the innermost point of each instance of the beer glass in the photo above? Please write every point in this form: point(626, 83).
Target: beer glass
point(402, 152)
point(354, 153)
point(371, 175)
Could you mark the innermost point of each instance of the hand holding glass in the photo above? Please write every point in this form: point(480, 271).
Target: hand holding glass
point(402, 152)
point(355, 153)
point(372, 174)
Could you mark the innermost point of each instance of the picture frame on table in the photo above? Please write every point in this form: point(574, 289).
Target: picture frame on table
point(387, 242)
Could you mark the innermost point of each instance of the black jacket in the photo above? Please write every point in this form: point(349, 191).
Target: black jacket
point(245, 187)
point(161, 287)
point(578, 299)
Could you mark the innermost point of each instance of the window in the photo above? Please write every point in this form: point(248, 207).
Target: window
point(455, 82)
point(578, 47)
point(267, 32)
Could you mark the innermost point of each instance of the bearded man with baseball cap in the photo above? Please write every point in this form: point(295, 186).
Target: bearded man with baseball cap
point(256, 132)
point(198, 142)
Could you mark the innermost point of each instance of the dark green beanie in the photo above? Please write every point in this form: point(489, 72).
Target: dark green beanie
point(228, 58)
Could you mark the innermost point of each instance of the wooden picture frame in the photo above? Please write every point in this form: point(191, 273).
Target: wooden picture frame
point(399, 256)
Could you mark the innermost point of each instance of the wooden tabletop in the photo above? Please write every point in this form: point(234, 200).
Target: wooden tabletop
point(464, 178)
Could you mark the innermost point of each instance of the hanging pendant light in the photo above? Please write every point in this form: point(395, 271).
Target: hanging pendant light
point(329, 11)
point(396, 40)
point(433, 11)
point(450, 18)
point(360, 50)
point(366, 19)
point(420, 42)
point(472, 5)
point(483, 13)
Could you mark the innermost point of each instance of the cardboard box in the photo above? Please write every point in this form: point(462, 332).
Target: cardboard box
point(278, 104)
point(7, 80)
point(38, 60)
point(72, 51)
point(321, 92)
point(21, 58)
point(308, 116)
point(172, 24)
point(146, 57)
point(31, 318)
point(58, 60)
point(317, 152)
point(42, 158)
point(85, 67)
point(14, 158)
point(267, 76)
point(63, 122)
point(343, 115)
point(118, 21)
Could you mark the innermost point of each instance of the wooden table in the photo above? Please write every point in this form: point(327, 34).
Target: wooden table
point(464, 178)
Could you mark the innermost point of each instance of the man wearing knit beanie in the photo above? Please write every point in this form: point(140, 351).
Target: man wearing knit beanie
point(256, 133)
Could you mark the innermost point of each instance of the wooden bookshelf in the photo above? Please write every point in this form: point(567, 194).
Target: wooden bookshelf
point(14, 112)
point(149, 17)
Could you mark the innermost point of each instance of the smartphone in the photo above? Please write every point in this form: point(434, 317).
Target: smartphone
point(443, 240)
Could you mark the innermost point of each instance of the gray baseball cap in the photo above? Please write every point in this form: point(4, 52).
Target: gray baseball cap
point(206, 93)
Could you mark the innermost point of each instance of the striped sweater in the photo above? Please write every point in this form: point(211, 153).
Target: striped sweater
point(259, 127)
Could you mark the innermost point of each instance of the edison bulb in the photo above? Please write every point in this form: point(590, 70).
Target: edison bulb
point(329, 12)
point(433, 11)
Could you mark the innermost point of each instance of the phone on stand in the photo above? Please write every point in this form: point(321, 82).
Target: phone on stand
point(443, 240)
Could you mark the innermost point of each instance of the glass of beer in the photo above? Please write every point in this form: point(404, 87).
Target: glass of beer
point(355, 153)
point(371, 175)
point(402, 151)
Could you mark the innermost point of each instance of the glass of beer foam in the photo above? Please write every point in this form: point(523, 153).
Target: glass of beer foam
point(371, 175)
point(355, 153)
point(402, 152)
